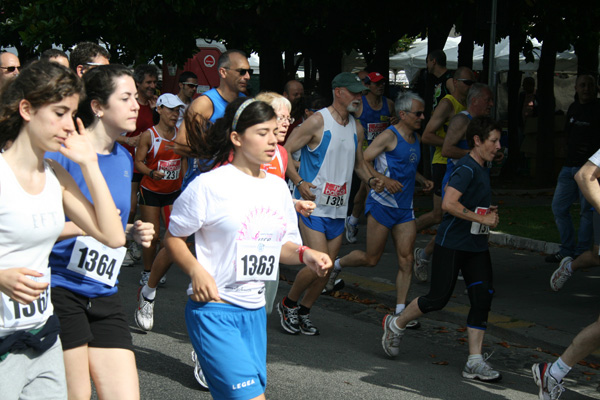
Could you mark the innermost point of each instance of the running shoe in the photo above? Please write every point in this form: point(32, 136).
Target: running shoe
point(420, 265)
point(144, 314)
point(550, 388)
point(198, 374)
point(481, 370)
point(414, 324)
point(351, 231)
point(134, 251)
point(306, 326)
point(390, 340)
point(128, 261)
point(289, 318)
point(561, 275)
point(333, 283)
point(144, 278)
point(163, 280)
point(554, 258)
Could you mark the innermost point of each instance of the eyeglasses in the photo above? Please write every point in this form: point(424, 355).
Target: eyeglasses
point(467, 82)
point(418, 114)
point(242, 71)
point(12, 69)
point(288, 119)
point(190, 84)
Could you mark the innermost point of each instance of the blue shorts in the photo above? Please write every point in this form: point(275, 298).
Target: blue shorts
point(389, 216)
point(231, 345)
point(331, 227)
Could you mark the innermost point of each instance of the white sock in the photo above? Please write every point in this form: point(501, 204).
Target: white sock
point(559, 369)
point(394, 327)
point(568, 267)
point(400, 308)
point(353, 220)
point(474, 359)
point(148, 292)
point(336, 265)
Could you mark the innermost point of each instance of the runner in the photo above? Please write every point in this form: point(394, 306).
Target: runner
point(161, 183)
point(277, 166)
point(36, 116)
point(94, 330)
point(461, 244)
point(239, 242)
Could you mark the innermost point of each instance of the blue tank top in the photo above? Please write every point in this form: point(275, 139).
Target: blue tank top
point(219, 106)
point(399, 164)
point(374, 121)
point(117, 169)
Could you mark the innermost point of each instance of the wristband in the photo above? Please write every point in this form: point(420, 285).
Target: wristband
point(301, 251)
point(151, 174)
point(369, 181)
point(300, 182)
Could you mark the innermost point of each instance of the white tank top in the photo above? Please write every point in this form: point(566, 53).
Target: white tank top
point(29, 226)
point(329, 166)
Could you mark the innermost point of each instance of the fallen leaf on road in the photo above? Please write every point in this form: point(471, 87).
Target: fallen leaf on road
point(432, 356)
point(461, 329)
point(442, 331)
point(440, 363)
point(589, 373)
point(504, 344)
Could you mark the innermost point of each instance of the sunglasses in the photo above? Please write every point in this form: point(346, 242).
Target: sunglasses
point(12, 69)
point(467, 82)
point(418, 114)
point(243, 71)
point(190, 84)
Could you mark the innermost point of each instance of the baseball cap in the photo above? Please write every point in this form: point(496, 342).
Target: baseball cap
point(169, 100)
point(375, 77)
point(348, 80)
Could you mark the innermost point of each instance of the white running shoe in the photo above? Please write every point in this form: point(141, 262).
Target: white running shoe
point(144, 314)
point(550, 388)
point(144, 277)
point(390, 340)
point(481, 370)
point(351, 231)
point(163, 280)
point(333, 283)
point(198, 374)
point(420, 265)
point(561, 275)
point(135, 251)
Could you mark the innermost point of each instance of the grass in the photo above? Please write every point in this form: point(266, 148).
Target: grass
point(534, 222)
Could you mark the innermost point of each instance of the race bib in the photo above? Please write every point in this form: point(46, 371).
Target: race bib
point(17, 314)
point(257, 260)
point(170, 168)
point(476, 227)
point(375, 128)
point(334, 195)
point(96, 261)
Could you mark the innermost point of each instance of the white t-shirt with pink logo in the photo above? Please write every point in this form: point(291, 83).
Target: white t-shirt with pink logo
point(239, 223)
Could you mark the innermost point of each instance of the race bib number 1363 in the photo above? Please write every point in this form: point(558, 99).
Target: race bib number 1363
point(257, 261)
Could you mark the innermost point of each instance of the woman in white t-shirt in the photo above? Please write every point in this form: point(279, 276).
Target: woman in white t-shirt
point(244, 224)
point(37, 112)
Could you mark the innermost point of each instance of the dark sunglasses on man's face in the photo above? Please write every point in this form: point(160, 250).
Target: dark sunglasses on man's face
point(467, 82)
point(12, 69)
point(418, 114)
point(243, 71)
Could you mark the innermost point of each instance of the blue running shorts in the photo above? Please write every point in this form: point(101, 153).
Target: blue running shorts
point(331, 227)
point(389, 216)
point(231, 345)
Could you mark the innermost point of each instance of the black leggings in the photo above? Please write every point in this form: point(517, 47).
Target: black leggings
point(476, 268)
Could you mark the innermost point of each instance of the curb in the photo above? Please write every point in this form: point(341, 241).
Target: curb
point(518, 242)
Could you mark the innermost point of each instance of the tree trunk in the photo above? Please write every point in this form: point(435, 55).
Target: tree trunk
point(586, 49)
point(271, 68)
point(545, 168)
point(514, 114)
point(466, 45)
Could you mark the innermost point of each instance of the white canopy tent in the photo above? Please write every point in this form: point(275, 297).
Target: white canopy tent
point(415, 58)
